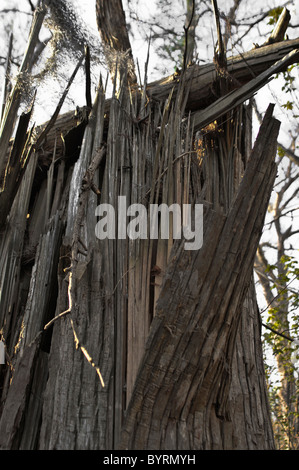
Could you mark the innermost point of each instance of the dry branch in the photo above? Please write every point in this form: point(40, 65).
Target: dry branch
point(241, 68)
point(16, 166)
point(12, 105)
point(52, 121)
point(236, 97)
point(191, 340)
point(88, 78)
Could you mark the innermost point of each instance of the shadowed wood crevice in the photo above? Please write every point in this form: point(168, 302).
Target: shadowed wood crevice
point(15, 167)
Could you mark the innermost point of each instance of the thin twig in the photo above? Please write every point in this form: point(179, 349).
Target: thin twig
point(274, 298)
point(68, 310)
point(31, 6)
point(86, 354)
point(190, 152)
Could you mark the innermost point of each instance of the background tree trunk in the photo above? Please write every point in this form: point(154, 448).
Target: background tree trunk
point(114, 286)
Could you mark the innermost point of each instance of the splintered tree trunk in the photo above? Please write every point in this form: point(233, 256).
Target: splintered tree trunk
point(123, 343)
point(184, 393)
point(115, 369)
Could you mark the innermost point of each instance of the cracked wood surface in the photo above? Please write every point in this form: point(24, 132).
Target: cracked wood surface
point(201, 302)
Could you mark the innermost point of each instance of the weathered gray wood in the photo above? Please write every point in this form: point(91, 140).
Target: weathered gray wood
point(29, 437)
point(12, 105)
point(42, 281)
point(16, 166)
point(236, 97)
point(17, 398)
point(88, 324)
point(187, 346)
point(241, 69)
point(281, 26)
point(11, 250)
point(191, 342)
point(111, 23)
point(6, 85)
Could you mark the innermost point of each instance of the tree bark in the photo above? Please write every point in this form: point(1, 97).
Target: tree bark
point(139, 343)
point(9, 116)
point(241, 69)
point(195, 341)
point(192, 345)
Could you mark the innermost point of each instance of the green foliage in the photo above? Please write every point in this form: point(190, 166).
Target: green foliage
point(283, 375)
point(281, 153)
point(289, 79)
point(274, 14)
point(288, 105)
